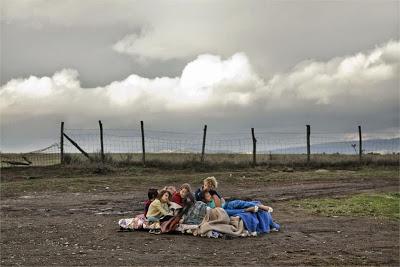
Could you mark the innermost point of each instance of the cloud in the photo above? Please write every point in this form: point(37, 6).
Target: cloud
point(170, 31)
point(162, 43)
point(174, 33)
point(38, 13)
point(206, 81)
point(224, 92)
point(210, 82)
point(356, 76)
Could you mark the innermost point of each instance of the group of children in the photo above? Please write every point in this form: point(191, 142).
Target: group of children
point(161, 204)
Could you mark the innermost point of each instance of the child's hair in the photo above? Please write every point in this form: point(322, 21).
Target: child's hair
point(170, 188)
point(162, 192)
point(186, 186)
point(152, 193)
point(211, 181)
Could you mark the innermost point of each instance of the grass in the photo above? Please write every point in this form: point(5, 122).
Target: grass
point(212, 161)
point(380, 205)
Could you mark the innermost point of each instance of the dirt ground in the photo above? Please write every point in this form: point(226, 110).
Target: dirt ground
point(52, 227)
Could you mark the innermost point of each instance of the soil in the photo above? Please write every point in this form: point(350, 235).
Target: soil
point(55, 228)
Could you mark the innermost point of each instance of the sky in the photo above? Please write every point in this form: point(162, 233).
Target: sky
point(177, 65)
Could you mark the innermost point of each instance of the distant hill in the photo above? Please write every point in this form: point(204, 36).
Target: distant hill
point(383, 146)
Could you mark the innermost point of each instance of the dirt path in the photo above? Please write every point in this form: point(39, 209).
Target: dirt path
point(80, 229)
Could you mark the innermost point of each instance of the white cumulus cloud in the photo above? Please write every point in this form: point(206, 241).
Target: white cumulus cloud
point(204, 81)
point(211, 84)
point(357, 75)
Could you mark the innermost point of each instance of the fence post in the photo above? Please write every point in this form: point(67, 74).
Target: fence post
point(204, 143)
point(101, 141)
point(254, 147)
point(77, 146)
point(308, 143)
point(62, 143)
point(360, 142)
point(143, 147)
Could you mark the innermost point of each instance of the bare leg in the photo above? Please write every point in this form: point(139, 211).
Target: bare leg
point(264, 207)
point(251, 209)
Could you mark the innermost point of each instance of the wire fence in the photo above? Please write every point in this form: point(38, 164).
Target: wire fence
point(125, 146)
point(42, 157)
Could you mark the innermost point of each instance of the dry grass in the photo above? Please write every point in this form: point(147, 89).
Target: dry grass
point(212, 161)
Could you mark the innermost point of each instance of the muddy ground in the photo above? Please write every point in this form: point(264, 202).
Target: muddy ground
point(53, 227)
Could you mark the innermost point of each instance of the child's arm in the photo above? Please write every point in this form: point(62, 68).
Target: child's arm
point(164, 211)
point(217, 201)
point(159, 208)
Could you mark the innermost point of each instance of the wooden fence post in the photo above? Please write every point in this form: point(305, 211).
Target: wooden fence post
point(254, 147)
point(308, 143)
point(101, 141)
point(204, 143)
point(360, 142)
point(62, 143)
point(77, 146)
point(143, 147)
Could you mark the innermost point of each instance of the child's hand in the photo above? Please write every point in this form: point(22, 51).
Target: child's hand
point(270, 209)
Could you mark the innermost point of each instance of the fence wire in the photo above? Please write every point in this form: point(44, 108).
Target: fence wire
point(125, 145)
point(42, 157)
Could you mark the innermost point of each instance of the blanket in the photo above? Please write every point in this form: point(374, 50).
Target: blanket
point(260, 222)
point(136, 223)
point(186, 228)
point(195, 214)
point(218, 220)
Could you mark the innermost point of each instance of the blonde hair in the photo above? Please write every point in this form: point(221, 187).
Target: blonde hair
point(211, 181)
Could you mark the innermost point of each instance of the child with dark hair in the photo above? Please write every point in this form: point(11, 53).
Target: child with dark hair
point(151, 194)
point(159, 211)
point(159, 207)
